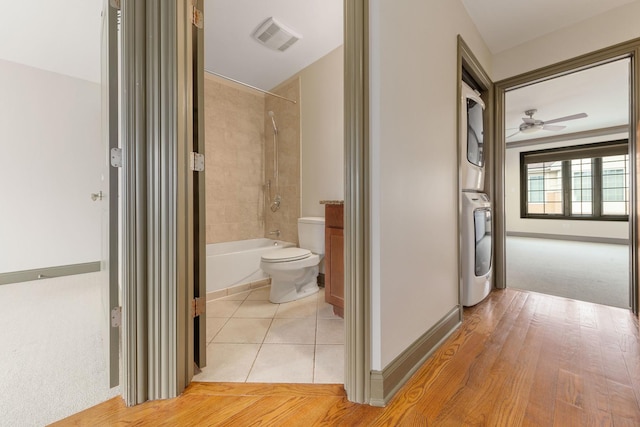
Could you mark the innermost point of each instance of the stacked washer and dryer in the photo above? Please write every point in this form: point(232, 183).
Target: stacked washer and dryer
point(476, 236)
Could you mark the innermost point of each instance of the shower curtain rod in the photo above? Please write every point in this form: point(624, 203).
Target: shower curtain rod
point(249, 86)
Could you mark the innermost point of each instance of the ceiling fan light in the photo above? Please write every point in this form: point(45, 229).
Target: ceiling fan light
point(530, 128)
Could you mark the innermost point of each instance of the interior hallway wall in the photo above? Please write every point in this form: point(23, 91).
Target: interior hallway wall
point(234, 141)
point(287, 116)
point(50, 164)
point(414, 167)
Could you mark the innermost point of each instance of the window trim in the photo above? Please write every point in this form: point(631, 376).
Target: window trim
point(565, 154)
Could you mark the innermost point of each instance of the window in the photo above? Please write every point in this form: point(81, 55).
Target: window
point(580, 182)
point(615, 185)
point(545, 188)
point(581, 187)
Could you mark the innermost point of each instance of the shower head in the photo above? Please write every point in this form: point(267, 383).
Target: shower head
point(273, 121)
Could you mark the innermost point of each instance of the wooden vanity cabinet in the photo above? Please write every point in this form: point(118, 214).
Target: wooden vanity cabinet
point(334, 257)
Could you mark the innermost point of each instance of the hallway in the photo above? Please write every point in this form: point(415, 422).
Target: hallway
point(519, 358)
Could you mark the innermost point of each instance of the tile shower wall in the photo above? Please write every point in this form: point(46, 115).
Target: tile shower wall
point(234, 142)
point(287, 117)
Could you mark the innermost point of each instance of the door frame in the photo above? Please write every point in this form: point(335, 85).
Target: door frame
point(357, 209)
point(357, 283)
point(469, 65)
point(629, 49)
point(110, 234)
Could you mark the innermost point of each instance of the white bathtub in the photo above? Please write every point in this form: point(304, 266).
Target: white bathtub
point(237, 263)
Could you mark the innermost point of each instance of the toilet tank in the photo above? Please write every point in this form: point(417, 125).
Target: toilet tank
point(311, 234)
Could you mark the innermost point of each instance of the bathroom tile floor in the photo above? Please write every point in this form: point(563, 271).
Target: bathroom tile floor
point(249, 339)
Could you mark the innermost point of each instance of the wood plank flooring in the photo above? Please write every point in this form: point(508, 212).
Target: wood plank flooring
point(519, 359)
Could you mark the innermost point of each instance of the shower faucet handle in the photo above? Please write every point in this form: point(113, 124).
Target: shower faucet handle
point(276, 232)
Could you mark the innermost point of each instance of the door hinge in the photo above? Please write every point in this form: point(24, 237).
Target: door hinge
point(196, 162)
point(116, 157)
point(197, 18)
point(197, 307)
point(116, 4)
point(116, 317)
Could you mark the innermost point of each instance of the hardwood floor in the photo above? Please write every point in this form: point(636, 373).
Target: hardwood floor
point(519, 358)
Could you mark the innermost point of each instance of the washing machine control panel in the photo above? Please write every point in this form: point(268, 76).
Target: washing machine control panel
point(477, 197)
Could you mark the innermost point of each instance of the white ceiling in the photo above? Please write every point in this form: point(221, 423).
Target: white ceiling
point(602, 92)
point(504, 24)
point(64, 37)
point(230, 50)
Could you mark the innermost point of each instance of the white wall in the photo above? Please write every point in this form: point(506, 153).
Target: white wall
point(607, 229)
point(322, 132)
point(414, 167)
point(615, 26)
point(50, 164)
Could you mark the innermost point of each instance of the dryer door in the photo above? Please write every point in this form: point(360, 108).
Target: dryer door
point(482, 226)
point(475, 131)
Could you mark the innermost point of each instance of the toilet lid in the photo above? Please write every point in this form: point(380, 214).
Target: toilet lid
point(286, 254)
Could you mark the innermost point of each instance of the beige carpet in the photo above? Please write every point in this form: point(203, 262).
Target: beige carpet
point(52, 361)
point(593, 272)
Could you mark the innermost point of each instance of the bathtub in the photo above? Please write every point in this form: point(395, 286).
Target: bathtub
point(237, 263)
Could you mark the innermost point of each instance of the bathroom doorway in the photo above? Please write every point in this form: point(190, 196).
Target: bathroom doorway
point(243, 107)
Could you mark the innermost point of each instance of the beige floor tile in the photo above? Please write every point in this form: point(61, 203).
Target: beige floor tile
point(222, 308)
point(246, 331)
point(330, 331)
point(261, 294)
point(256, 309)
point(228, 362)
point(329, 364)
point(305, 307)
point(325, 310)
point(303, 340)
point(214, 324)
point(292, 331)
point(283, 363)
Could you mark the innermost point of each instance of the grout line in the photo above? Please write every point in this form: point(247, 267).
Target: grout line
point(219, 330)
point(317, 317)
point(261, 344)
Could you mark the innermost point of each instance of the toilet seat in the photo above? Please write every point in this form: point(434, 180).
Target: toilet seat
point(286, 255)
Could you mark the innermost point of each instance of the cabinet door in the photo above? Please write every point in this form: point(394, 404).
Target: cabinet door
point(334, 268)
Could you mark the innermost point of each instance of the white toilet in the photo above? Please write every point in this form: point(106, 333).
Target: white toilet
point(294, 271)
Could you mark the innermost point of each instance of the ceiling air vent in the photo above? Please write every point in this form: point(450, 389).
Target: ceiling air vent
point(275, 35)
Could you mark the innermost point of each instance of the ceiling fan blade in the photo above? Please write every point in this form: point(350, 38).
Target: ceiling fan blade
point(513, 134)
point(564, 119)
point(528, 120)
point(553, 127)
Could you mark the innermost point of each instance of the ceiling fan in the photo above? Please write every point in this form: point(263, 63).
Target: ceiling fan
point(532, 125)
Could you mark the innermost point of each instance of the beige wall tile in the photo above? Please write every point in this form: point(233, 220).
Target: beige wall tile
point(287, 117)
point(239, 161)
point(234, 144)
